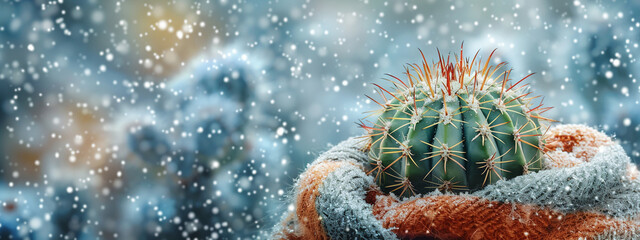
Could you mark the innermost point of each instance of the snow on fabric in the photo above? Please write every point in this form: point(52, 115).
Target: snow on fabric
point(335, 199)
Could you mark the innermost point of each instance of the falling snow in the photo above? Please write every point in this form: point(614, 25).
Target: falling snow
point(191, 119)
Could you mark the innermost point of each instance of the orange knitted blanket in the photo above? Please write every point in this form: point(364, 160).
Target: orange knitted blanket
point(462, 216)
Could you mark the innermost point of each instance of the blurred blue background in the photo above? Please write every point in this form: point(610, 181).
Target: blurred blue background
point(191, 119)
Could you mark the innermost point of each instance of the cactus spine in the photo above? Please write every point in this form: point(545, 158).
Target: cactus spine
point(453, 126)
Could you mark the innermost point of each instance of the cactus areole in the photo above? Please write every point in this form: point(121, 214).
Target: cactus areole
point(456, 125)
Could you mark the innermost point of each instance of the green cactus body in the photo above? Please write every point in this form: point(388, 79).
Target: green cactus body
point(454, 127)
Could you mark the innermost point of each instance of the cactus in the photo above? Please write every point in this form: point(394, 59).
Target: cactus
point(453, 126)
point(11, 230)
point(148, 143)
point(216, 131)
point(230, 78)
point(70, 213)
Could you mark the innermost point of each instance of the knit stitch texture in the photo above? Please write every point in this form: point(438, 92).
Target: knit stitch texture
point(594, 199)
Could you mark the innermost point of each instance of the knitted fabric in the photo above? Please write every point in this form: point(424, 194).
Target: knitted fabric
point(471, 217)
point(345, 216)
point(571, 144)
point(595, 199)
point(304, 222)
point(590, 185)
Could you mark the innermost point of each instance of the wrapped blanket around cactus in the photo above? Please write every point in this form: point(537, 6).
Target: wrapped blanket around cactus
point(459, 152)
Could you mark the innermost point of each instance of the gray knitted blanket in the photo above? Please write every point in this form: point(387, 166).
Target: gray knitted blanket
point(600, 185)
